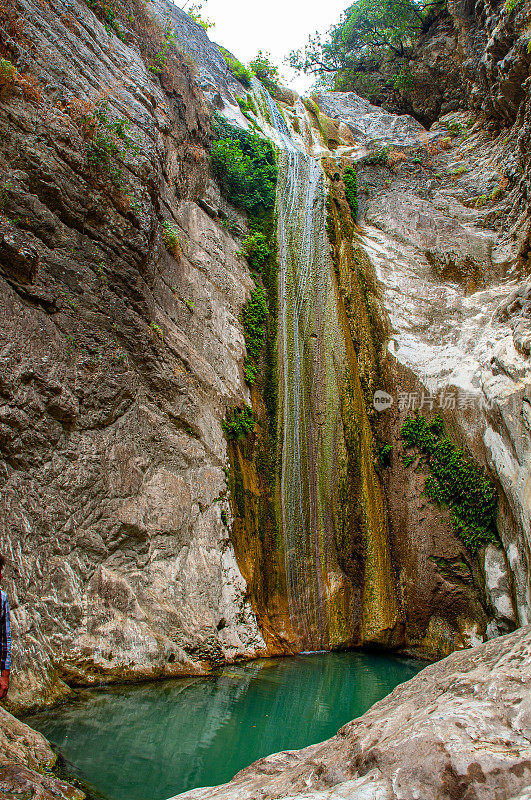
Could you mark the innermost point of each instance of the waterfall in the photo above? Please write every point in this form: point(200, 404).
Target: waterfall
point(312, 356)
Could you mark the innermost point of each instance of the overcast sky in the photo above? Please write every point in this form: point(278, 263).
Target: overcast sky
point(276, 26)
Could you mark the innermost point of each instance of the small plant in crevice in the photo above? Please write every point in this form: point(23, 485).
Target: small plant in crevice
point(170, 238)
point(8, 72)
point(350, 179)
point(109, 142)
point(4, 195)
point(157, 330)
point(238, 423)
point(408, 459)
point(454, 480)
point(384, 455)
point(194, 11)
point(168, 40)
point(106, 13)
point(377, 158)
point(264, 69)
point(236, 68)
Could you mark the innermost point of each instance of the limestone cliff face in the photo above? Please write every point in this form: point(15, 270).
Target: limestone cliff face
point(138, 545)
point(120, 348)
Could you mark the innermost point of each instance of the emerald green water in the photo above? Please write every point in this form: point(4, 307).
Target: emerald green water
point(152, 741)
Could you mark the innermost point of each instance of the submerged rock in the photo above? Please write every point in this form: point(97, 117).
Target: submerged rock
point(460, 728)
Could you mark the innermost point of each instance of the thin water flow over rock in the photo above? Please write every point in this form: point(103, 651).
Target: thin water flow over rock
point(311, 370)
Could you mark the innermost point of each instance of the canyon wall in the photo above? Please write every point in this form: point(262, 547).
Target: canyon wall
point(120, 350)
point(141, 544)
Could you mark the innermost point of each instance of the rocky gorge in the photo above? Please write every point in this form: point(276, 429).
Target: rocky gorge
point(143, 539)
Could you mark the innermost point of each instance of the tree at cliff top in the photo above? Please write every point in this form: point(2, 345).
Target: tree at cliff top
point(369, 33)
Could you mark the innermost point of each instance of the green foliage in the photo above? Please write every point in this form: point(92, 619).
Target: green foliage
point(236, 68)
point(369, 32)
point(350, 180)
point(264, 69)
point(238, 423)
point(403, 80)
point(454, 128)
point(105, 11)
point(171, 238)
point(168, 40)
point(8, 72)
point(231, 225)
point(254, 319)
point(455, 481)
point(246, 167)
point(194, 11)
point(109, 141)
point(4, 195)
point(384, 455)
point(510, 5)
point(247, 107)
point(256, 250)
point(408, 459)
point(379, 158)
point(157, 330)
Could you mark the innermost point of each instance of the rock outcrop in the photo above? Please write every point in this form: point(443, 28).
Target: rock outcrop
point(460, 728)
point(27, 762)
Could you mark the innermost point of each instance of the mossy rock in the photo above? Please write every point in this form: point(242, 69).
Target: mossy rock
point(283, 94)
point(311, 106)
point(329, 130)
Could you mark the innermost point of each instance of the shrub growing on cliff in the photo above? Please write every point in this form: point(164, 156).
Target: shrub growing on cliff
point(265, 70)
point(8, 72)
point(455, 481)
point(106, 13)
point(256, 250)
point(108, 142)
point(246, 168)
point(238, 423)
point(236, 68)
point(254, 318)
point(170, 238)
point(350, 180)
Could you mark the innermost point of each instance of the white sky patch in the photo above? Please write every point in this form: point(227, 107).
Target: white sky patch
point(275, 26)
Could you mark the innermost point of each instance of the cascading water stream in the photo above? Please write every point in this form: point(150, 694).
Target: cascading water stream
point(311, 359)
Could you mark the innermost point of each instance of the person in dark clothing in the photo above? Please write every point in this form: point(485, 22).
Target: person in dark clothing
point(5, 638)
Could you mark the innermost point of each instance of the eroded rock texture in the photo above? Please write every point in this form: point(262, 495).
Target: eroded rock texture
point(118, 356)
point(460, 728)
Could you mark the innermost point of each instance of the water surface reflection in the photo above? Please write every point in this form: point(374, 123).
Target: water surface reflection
point(151, 741)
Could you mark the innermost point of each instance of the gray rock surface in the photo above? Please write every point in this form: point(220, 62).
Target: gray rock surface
point(460, 728)
point(219, 86)
point(370, 125)
point(118, 359)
